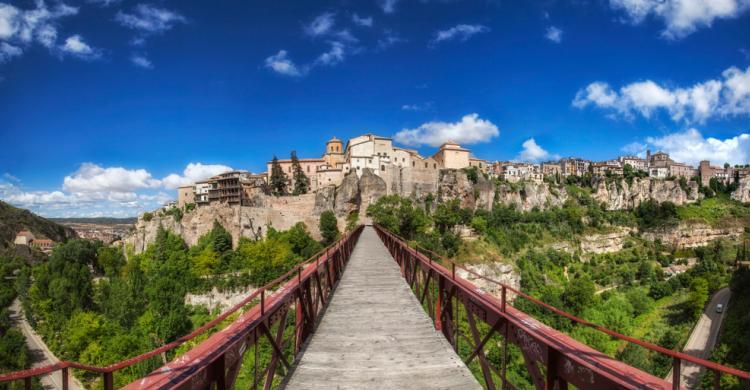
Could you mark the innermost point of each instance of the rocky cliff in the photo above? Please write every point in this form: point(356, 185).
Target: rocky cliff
point(356, 193)
point(691, 235)
point(621, 195)
point(742, 193)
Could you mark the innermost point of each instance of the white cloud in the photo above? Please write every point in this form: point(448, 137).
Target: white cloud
point(690, 146)
point(388, 6)
point(91, 178)
point(104, 3)
point(321, 25)
point(281, 64)
point(554, 34)
point(389, 39)
point(362, 21)
point(727, 96)
point(333, 56)
point(7, 52)
point(149, 19)
point(461, 32)
point(470, 130)
point(418, 107)
point(194, 172)
point(532, 152)
point(141, 61)
point(104, 191)
point(75, 46)
point(20, 28)
point(681, 17)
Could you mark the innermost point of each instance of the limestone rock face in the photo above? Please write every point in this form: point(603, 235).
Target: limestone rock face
point(742, 193)
point(605, 243)
point(500, 272)
point(347, 195)
point(531, 195)
point(325, 199)
point(485, 193)
point(619, 195)
point(454, 184)
point(691, 235)
point(371, 188)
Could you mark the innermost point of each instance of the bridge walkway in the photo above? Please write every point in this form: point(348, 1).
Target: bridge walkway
point(375, 335)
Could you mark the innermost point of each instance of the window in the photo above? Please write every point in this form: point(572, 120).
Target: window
point(308, 169)
point(413, 163)
point(434, 166)
point(425, 165)
point(382, 167)
point(290, 169)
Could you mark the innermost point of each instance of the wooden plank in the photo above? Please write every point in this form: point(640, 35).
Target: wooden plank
point(375, 334)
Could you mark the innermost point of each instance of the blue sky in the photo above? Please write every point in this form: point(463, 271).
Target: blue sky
point(105, 106)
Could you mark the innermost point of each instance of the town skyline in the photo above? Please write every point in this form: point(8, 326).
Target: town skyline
point(111, 105)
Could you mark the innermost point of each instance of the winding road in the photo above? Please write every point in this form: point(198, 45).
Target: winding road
point(703, 339)
point(40, 354)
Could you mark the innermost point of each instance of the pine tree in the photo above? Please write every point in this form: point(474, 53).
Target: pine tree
point(301, 182)
point(278, 178)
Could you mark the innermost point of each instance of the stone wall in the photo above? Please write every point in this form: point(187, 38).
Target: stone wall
point(691, 235)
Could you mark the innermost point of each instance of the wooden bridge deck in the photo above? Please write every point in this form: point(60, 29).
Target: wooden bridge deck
point(375, 335)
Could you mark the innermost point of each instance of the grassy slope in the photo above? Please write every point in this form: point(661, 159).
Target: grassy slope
point(13, 219)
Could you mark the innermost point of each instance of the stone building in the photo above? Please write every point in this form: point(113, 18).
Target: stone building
point(452, 156)
point(185, 195)
point(662, 166)
point(574, 166)
point(602, 168)
point(639, 164)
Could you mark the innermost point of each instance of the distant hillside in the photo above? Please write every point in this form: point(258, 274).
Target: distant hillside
point(13, 219)
point(97, 221)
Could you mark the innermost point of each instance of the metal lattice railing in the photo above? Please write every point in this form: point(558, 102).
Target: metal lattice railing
point(471, 319)
point(258, 346)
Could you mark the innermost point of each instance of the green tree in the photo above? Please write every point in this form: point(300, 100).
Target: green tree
point(398, 215)
point(110, 260)
point(579, 294)
point(328, 227)
point(698, 296)
point(278, 178)
point(301, 182)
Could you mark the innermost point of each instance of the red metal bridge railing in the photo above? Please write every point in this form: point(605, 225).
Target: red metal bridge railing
point(283, 317)
point(550, 357)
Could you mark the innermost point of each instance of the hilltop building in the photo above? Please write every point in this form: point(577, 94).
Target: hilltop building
point(25, 237)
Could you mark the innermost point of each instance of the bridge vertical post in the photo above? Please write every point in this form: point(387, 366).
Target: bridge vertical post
point(439, 303)
point(676, 373)
point(64, 374)
point(109, 383)
point(27, 383)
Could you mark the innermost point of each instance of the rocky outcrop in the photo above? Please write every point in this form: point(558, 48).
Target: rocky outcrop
point(347, 195)
point(222, 300)
point(371, 188)
point(530, 195)
point(454, 184)
point(279, 212)
point(621, 195)
point(325, 199)
point(605, 243)
point(499, 272)
point(691, 235)
point(742, 193)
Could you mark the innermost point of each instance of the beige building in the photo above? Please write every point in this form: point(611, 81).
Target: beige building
point(603, 168)
point(639, 164)
point(551, 169)
point(452, 156)
point(482, 165)
point(185, 195)
point(24, 237)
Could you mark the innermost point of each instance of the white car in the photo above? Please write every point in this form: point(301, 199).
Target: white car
point(719, 308)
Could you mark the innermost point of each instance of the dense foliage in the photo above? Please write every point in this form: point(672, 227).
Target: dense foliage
point(328, 227)
point(626, 291)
